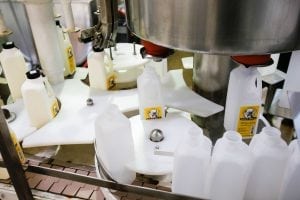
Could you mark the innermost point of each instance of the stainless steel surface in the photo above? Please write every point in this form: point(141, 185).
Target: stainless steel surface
point(156, 135)
point(276, 110)
point(109, 184)
point(210, 80)
point(103, 35)
point(16, 19)
point(12, 162)
point(219, 26)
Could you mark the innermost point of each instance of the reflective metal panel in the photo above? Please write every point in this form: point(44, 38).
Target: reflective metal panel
point(218, 26)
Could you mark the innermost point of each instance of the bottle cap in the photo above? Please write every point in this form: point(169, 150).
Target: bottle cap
point(97, 49)
point(33, 74)
point(8, 45)
point(57, 23)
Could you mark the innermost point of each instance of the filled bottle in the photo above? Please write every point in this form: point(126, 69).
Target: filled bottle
point(151, 105)
point(100, 76)
point(35, 93)
point(270, 158)
point(67, 50)
point(230, 168)
point(291, 180)
point(243, 101)
point(191, 162)
point(113, 129)
point(14, 66)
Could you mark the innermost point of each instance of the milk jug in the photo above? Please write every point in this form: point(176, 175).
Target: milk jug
point(101, 75)
point(191, 162)
point(150, 95)
point(230, 167)
point(270, 158)
point(114, 144)
point(67, 50)
point(39, 101)
point(243, 102)
point(291, 180)
point(14, 67)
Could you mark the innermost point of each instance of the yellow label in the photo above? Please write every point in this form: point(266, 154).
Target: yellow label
point(54, 108)
point(247, 120)
point(71, 60)
point(18, 147)
point(111, 81)
point(153, 112)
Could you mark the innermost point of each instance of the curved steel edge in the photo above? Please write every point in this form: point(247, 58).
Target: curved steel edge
point(231, 27)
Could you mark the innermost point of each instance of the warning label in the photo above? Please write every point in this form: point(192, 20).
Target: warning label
point(247, 120)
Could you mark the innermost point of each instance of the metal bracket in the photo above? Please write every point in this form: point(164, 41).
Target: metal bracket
point(12, 162)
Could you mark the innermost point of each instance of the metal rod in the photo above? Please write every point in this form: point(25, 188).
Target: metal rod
point(115, 47)
point(12, 162)
point(109, 184)
point(110, 53)
point(134, 49)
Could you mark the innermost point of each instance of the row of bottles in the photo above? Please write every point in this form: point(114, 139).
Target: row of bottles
point(31, 86)
point(264, 170)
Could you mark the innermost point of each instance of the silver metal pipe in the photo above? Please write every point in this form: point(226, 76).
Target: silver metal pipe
point(103, 35)
point(210, 80)
point(219, 26)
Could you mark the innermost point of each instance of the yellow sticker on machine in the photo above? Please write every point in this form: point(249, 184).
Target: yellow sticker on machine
point(153, 112)
point(17, 147)
point(71, 60)
point(54, 108)
point(247, 119)
point(111, 81)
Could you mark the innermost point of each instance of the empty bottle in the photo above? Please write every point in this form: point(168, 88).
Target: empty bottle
point(100, 76)
point(270, 159)
point(14, 66)
point(191, 162)
point(114, 144)
point(230, 167)
point(243, 101)
point(67, 50)
point(291, 180)
point(39, 100)
point(151, 105)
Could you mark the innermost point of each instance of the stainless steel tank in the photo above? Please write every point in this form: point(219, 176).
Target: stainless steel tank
point(218, 26)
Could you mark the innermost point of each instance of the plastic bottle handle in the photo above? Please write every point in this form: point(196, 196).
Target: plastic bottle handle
point(109, 62)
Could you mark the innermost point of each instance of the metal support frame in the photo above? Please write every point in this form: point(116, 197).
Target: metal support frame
point(109, 184)
point(12, 162)
point(106, 183)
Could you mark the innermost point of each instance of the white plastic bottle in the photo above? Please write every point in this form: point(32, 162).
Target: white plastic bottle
point(67, 50)
point(151, 105)
point(39, 101)
point(291, 181)
point(191, 162)
point(114, 144)
point(100, 76)
point(14, 67)
point(270, 159)
point(230, 167)
point(243, 102)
